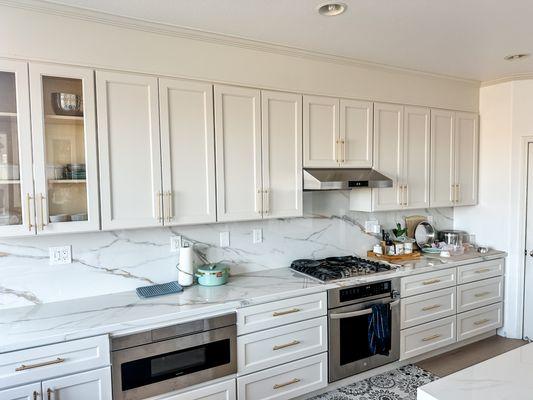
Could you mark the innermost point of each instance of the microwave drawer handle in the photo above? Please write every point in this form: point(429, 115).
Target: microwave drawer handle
point(359, 313)
point(24, 367)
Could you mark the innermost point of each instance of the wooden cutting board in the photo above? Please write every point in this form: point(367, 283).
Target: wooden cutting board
point(411, 223)
point(394, 259)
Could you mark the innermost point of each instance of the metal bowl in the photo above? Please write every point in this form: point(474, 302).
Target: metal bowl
point(67, 104)
point(424, 234)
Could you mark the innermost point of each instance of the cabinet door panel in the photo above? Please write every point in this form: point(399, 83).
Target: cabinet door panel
point(91, 385)
point(129, 148)
point(188, 151)
point(321, 131)
point(356, 119)
point(416, 157)
point(388, 134)
point(26, 392)
point(466, 161)
point(16, 169)
point(238, 153)
point(442, 158)
point(282, 154)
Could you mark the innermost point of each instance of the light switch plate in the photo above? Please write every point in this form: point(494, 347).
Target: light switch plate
point(257, 235)
point(224, 239)
point(175, 244)
point(60, 255)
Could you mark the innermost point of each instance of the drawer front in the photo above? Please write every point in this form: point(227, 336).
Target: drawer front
point(424, 338)
point(416, 310)
point(479, 294)
point(424, 283)
point(281, 345)
point(478, 271)
point(219, 391)
point(476, 322)
point(286, 381)
point(269, 315)
point(45, 362)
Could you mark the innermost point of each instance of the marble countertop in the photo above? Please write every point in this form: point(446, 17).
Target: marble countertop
point(505, 377)
point(125, 312)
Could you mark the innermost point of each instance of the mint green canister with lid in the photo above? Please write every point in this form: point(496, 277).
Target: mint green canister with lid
point(212, 275)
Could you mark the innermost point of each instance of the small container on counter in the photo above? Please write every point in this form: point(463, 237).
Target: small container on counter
point(398, 248)
point(378, 249)
point(408, 247)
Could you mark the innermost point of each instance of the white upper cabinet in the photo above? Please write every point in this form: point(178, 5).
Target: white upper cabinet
point(321, 132)
point(129, 148)
point(356, 131)
point(281, 154)
point(238, 153)
point(416, 152)
point(388, 153)
point(454, 158)
point(188, 151)
point(16, 170)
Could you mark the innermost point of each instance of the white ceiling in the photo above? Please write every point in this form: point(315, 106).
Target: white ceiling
point(462, 38)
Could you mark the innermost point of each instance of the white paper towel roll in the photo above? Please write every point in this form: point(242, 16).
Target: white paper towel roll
point(186, 266)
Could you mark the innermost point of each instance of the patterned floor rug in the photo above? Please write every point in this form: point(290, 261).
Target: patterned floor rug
point(398, 384)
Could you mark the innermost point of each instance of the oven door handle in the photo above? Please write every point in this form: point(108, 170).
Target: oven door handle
point(359, 313)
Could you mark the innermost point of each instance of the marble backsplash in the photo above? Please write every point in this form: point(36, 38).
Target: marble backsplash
point(116, 261)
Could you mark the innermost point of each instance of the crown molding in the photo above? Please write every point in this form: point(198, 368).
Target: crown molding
point(510, 78)
point(62, 10)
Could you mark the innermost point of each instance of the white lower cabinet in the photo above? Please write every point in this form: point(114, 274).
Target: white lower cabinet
point(286, 381)
point(91, 385)
point(481, 320)
point(478, 294)
point(427, 307)
point(218, 391)
point(427, 337)
point(26, 392)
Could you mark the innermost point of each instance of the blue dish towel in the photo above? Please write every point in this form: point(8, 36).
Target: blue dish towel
point(379, 330)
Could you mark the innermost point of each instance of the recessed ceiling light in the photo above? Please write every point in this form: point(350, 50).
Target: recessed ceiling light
point(332, 9)
point(514, 57)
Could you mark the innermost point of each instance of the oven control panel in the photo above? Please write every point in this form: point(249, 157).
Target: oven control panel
point(364, 291)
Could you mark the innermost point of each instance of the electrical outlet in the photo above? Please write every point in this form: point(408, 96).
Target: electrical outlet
point(60, 255)
point(430, 219)
point(224, 239)
point(257, 235)
point(175, 244)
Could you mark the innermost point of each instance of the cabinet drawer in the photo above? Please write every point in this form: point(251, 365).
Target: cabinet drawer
point(219, 391)
point(481, 320)
point(416, 310)
point(424, 338)
point(45, 362)
point(281, 345)
point(286, 381)
point(424, 283)
point(269, 315)
point(478, 271)
point(479, 294)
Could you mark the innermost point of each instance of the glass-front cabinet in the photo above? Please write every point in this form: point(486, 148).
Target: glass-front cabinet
point(16, 180)
point(64, 148)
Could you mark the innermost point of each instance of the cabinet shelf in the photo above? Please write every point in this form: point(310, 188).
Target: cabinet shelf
point(64, 119)
point(60, 181)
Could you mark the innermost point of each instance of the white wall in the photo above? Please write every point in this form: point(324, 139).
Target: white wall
point(133, 46)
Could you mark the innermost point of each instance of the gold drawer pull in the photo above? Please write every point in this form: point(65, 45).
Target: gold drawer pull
point(282, 346)
point(482, 270)
point(49, 393)
point(24, 367)
point(280, 313)
point(482, 321)
point(280, 385)
point(433, 337)
point(35, 395)
point(431, 307)
point(482, 294)
point(430, 282)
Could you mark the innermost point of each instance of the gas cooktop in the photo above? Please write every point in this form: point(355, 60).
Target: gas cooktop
point(334, 268)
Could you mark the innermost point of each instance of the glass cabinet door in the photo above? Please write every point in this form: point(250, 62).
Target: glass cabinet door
point(16, 181)
point(63, 121)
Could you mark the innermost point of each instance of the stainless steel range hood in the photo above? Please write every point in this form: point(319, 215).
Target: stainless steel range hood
point(344, 179)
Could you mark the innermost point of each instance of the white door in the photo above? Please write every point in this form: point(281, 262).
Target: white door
point(442, 182)
point(16, 169)
point(129, 149)
point(64, 149)
point(388, 148)
point(91, 385)
point(238, 153)
point(187, 151)
point(528, 280)
point(356, 132)
point(321, 132)
point(466, 160)
point(282, 154)
point(416, 150)
point(26, 392)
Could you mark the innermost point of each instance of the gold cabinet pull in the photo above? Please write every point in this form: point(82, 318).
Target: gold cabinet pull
point(291, 382)
point(280, 313)
point(452, 193)
point(35, 395)
point(431, 282)
point(41, 201)
point(259, 201)
point(28, 210)
point(168, 209)
point(159, 211)
point(458, 193)
point(406, 195)
point(49, 393)
point(266, 201)
point(482, 294)
point(432, 337)
point(482, 270)
point(343, 151)
point(283, 346)
point(482, 321)
point(337, 160)
point(434, 306)
point(24, 367)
